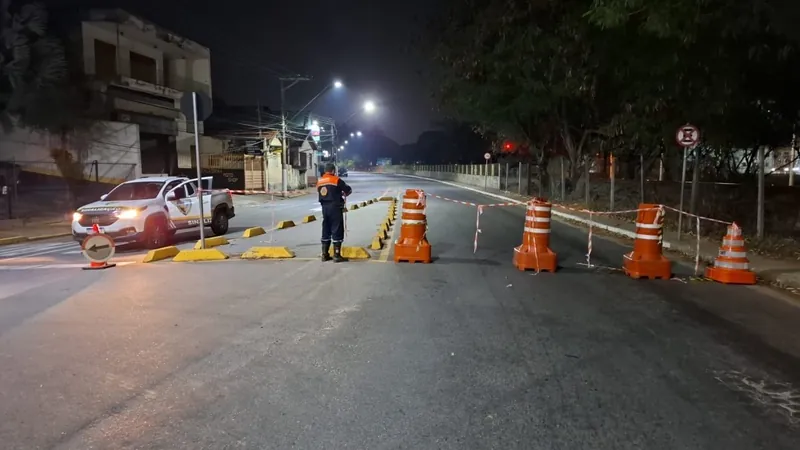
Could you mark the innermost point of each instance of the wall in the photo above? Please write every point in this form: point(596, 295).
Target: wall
point(478, 175)
point(295, 179)
point(114, 145)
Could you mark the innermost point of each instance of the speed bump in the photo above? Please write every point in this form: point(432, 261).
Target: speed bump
point(383, 234)
point(354, 207)
point(370, 201)
point(268, 253)
point(160, 254)
point(354, 253)
point(284, 224)
point(310, 218)
point(206, 254)
point(215, 241)
point(377, 244)
point(386, 198)
point(362, 204)
point(384, 226)
point(253, 232)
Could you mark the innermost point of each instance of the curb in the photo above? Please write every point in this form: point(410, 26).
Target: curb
point(12, 240)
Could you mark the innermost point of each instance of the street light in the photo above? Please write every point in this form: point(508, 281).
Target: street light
point(369, 106)
point(337, 84)
point(358, 133)
point(346, 142)
point(352, 134)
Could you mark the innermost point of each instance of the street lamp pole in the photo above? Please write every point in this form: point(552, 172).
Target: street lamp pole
point(285, 143)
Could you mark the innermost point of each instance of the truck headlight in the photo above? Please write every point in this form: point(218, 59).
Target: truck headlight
point(128, 214)
point(76, 216)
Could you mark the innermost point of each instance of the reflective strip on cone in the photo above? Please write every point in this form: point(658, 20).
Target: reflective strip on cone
point(537, 219)
point(649, 226)
point(733, 243)
point(412, 222)
point(731, 265)
point(648, 237)
point(732, 254)
point(537, 230)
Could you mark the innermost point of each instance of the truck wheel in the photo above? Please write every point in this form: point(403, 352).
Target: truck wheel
point(155, 233)
point(219, 223)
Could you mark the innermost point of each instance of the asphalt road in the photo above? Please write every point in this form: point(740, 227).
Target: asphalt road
point(466, 352)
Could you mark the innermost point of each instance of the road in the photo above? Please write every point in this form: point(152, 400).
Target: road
point(464, 353)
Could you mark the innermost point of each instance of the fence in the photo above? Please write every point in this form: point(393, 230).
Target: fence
point(37, 188)
point(724, 201)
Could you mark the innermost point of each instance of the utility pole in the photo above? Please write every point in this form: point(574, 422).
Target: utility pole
point(285, 150)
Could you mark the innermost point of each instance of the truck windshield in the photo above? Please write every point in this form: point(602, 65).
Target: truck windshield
point(135, 191)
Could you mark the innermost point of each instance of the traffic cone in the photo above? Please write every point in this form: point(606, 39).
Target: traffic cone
point(732, 265)
point(535, 253)
point(412, 245)
point(646, 259)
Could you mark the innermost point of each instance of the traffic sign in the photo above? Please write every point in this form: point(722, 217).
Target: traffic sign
point(487, 156)
point(98, 248)
point(687, 136)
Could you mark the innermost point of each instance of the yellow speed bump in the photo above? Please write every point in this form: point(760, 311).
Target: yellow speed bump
point(362, 204)
point(215, 241)
point(385, 226)
point(370, 201)
point(284, 224)
point(268, 253)
point(253, 232)
point(311, 218)
point(386, 198)
point(354, 253)
point(383, 234)
point(354, 207)
point(377, 244)
point(208, 254)
point(160, 254)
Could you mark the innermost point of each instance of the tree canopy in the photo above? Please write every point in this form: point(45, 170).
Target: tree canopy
point(565, 76)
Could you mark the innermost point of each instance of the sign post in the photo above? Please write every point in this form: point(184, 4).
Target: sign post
point(687, 137)
point(487, 156)
point(98, 249)
point(194, 105)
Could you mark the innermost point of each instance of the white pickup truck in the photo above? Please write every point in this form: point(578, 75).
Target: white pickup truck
point(150, 210)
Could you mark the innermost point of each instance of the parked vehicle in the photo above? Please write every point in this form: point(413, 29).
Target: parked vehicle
point(151, 210)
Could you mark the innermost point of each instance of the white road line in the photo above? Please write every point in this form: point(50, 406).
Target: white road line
point(57, 266)
point(27, 252)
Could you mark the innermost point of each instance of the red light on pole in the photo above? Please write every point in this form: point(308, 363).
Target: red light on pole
point(508, 146)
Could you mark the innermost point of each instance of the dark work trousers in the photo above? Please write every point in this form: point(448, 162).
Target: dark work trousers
point(332, 223)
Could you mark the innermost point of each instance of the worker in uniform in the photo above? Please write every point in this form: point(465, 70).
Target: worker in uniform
point(332, 193)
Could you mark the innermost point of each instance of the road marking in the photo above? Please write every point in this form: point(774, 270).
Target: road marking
point(29, 250)
point(57, 266)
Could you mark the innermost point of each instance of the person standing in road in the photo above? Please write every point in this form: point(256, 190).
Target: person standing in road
point(332, 192)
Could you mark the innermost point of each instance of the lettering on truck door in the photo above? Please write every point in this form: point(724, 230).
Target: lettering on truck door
point(184, 209)
point(191, 190)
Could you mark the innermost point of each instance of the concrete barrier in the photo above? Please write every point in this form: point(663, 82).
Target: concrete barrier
point(211, 242)
point(161, 254)
point(311, 218)
point(253, 232)
point(268, 253)
point(353, 253)
point(283, 224)
point(208, 254)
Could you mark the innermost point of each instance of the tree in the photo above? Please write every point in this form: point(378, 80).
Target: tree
point(33, 70)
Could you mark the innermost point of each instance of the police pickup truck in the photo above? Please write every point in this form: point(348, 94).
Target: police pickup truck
point(150, 210)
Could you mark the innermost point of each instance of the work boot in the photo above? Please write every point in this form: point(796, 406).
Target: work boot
point(326, 252)
point(337, 254)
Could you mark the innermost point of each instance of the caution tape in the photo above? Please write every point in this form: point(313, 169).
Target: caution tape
point(477, 229)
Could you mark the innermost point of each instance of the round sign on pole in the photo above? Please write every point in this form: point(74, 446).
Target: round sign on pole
point(487, 156)
point(98, 248)
point(687, 136)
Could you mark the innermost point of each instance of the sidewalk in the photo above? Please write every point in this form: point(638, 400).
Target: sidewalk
point(784, 273)
point(22, 230)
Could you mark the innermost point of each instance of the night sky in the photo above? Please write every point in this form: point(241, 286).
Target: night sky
point(367, 44)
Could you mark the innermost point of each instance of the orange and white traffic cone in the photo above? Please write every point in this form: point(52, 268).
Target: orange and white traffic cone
point(535, 253)
point(732, 265)
point(646, 259)
point(412, 245)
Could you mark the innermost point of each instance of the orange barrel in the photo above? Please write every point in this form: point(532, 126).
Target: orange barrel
point(646, 259)
point(412, 245)
point(534, 253)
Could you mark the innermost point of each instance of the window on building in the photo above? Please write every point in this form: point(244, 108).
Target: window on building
point(144, 68)
point(105, 60)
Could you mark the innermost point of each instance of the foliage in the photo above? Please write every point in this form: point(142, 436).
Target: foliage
point(576, 77)
point(33, 68)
